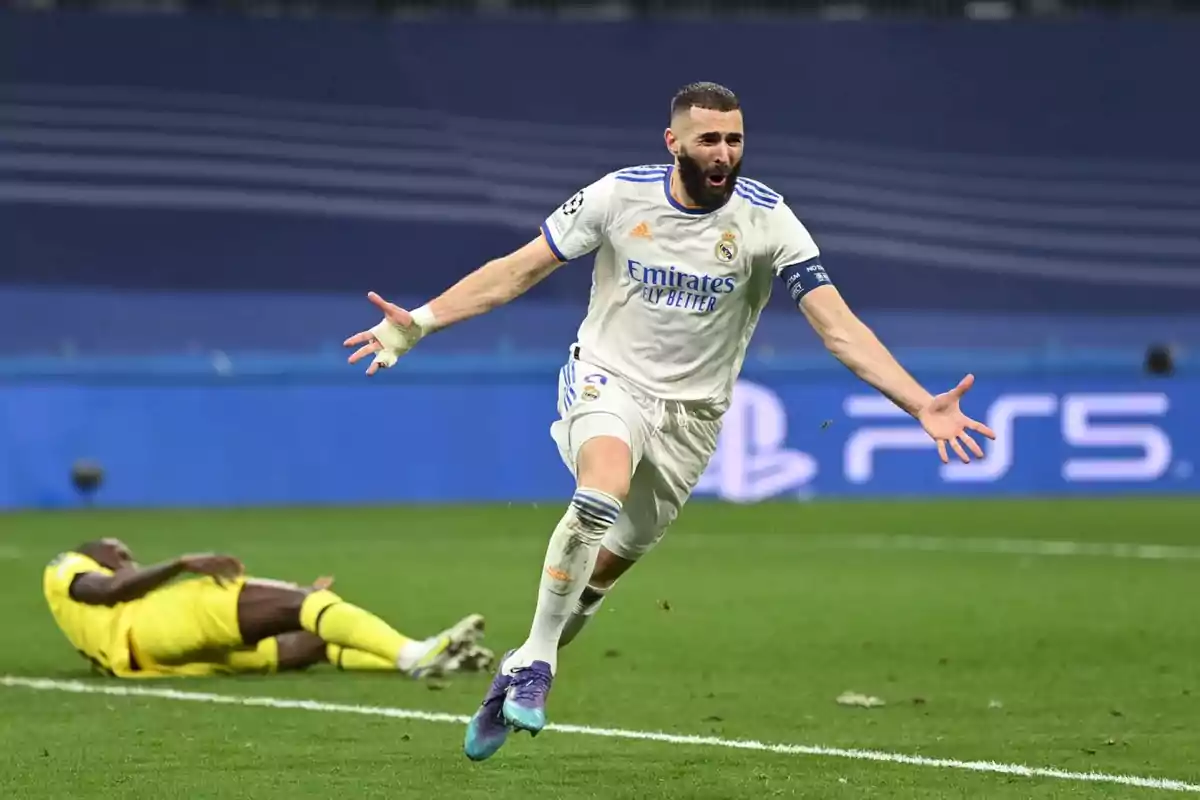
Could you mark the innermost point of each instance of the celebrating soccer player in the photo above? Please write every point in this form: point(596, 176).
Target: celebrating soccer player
point(686, 254)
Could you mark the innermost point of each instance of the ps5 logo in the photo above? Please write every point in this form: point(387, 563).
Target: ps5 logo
point(751, 462)
point(1078, 420)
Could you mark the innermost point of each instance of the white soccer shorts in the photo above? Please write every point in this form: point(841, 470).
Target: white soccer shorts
point(671, 448)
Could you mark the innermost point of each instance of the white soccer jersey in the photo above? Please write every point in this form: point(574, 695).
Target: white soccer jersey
point(677, 291)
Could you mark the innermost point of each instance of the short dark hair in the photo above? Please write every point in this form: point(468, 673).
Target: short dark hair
point(110, 553)
point(704, 94)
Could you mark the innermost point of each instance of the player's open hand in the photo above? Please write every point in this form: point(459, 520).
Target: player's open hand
point(945, 422)
point(390, 339)
point(220, 567)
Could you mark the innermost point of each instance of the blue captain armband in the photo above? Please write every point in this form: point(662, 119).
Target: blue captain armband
point(802, 278)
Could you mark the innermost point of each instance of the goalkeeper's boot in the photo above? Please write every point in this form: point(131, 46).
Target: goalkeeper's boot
point(487, 730)
point(473, 658)
point(446, 648)
point(525, 705)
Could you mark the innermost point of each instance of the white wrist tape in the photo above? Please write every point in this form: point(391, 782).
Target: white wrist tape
point(425, 319)
point(398, 340)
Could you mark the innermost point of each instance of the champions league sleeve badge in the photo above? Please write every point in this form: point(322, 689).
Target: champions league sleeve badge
point(574, 204)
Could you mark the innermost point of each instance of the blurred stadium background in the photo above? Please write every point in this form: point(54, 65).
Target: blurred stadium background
point(196, 195)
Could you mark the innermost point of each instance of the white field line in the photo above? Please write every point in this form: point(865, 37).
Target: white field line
point(1028, 547)
point(993, 767)
point(9, 553)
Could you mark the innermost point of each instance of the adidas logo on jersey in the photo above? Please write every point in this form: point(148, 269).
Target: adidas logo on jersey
point(641, 231)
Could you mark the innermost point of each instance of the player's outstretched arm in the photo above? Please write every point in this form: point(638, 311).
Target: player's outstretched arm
point(131, 583)
point(495, 283)
point(854, 344)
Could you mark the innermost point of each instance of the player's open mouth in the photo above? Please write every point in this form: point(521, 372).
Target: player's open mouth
point(716, 180)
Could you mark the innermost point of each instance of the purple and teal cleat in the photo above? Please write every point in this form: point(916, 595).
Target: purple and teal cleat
point(487, 730)
point(524, 708)
point(513, 702)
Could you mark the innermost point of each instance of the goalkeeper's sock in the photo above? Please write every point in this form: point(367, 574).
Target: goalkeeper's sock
point(570, 558)
point(345, 624)
point(347, 658)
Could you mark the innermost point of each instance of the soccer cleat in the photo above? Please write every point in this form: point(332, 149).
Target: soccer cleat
point(487, 730)
point(525, 706)
point(446, 648)
point(472, 658)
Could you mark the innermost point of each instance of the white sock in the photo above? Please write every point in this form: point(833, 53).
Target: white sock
point(410, 653)
point(585, 608)
point(414, 650)
point(570, 558)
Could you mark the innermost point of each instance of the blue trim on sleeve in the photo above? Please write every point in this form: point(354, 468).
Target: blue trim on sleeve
point(753, 200)
point(553, 247)
point(649, 169)
point(760, 189)
point(802, 278)
point(756, 193)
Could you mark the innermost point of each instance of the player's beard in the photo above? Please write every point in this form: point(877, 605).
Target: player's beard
point(695, 181)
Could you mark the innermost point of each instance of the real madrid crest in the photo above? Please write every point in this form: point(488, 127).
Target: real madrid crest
point(726, 249)
point(589, 392)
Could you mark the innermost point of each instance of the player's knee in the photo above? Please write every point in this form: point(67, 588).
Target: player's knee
point(269, 610)
point(605, 464)
point(299, 650)
point(288, 604)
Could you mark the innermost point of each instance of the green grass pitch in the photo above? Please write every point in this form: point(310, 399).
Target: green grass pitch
point(747, 623)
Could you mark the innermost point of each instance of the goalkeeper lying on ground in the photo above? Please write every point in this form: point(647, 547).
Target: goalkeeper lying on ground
point(136, 622)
